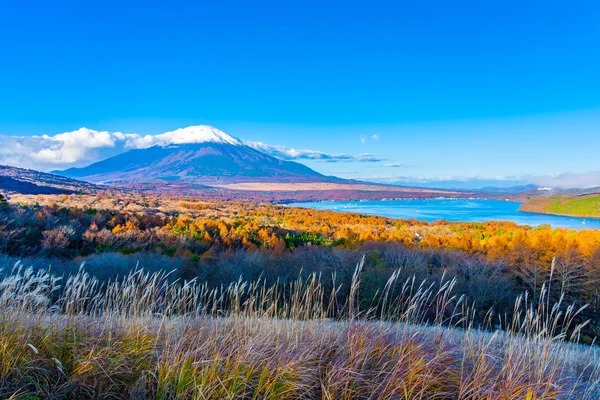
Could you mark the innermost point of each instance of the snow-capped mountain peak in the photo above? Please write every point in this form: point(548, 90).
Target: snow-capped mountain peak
point(213, 156)
point(196, 134)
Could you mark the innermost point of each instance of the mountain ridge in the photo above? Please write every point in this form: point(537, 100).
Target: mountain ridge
point(187, 159)
point(199, 154)
point(28, 181)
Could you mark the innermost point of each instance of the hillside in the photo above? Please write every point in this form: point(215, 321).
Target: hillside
point(585, 205)
point(27, 181)
point(145, 337)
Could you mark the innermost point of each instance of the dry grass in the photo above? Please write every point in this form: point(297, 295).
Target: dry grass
point(148, 337)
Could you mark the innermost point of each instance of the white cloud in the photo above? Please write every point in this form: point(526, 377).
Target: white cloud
point(293, 154)
point(365, 139)
point(74, 148)
point(69, 147)
point(568, 180)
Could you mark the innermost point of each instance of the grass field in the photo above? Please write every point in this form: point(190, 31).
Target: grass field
point(580, 206)
point(147, 337)
point(587, 206)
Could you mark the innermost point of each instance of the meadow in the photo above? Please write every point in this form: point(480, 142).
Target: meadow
point(144, 336)
point(578, 206)
point(125, 297)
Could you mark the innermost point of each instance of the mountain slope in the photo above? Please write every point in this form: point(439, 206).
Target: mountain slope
point(196, 155)
point(26, 181)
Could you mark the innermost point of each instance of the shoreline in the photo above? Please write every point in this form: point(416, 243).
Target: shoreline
point(571, 222)
point(560, 215)
point(286, 203)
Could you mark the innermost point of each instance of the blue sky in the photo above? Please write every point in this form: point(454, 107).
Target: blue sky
point(450, 89)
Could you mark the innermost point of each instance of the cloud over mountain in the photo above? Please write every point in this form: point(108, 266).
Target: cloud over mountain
point(568, 180)
point(65, 149)
point(286, 153)
point(85, 146)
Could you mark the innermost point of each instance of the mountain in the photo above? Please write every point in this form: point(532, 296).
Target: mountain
point(199, 155)
point(26, 181)
point(507, 190)
point(479, 185)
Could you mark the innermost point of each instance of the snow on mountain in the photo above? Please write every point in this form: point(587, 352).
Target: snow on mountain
point(189, 135)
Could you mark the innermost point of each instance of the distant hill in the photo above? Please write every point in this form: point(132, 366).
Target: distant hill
point(568, 202)
point(507, 190)
point(198, 155)
point(581, 205)
point(488, 186)
point(27, 181)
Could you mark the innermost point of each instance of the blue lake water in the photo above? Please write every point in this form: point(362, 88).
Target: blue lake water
point(453, 210)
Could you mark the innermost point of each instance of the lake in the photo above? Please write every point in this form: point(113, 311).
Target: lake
point(453, 210)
